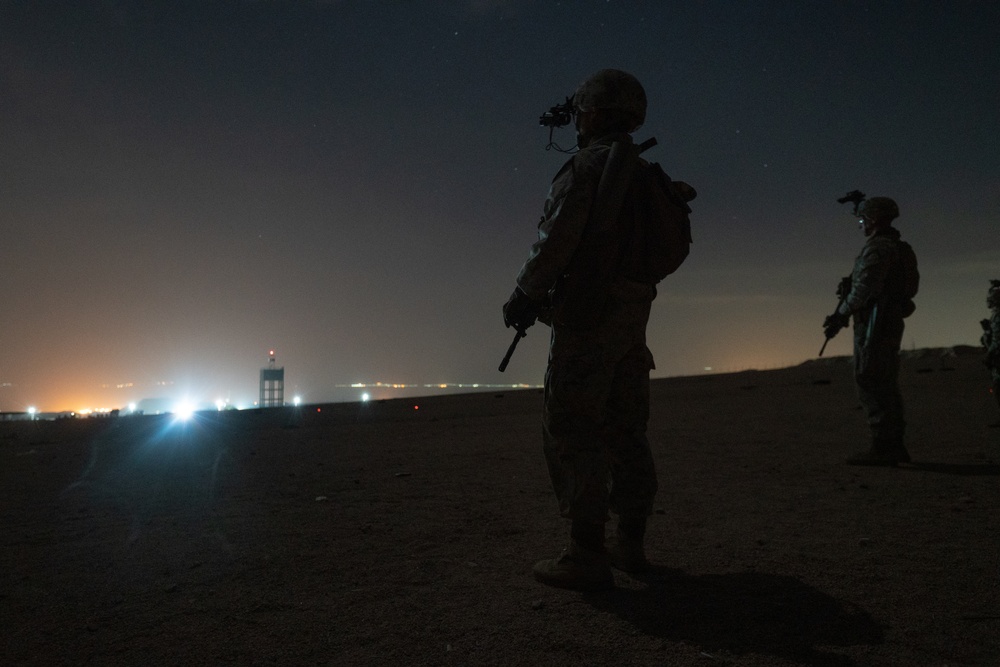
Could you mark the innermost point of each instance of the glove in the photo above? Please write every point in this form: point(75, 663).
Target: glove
point(520, 311)
point(834, 323)
point(844, 288)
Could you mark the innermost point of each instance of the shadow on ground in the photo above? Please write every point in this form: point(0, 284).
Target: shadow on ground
point(744, 613)
point(961, 469)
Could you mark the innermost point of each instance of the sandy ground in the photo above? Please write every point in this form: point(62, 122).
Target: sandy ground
point(380, 534)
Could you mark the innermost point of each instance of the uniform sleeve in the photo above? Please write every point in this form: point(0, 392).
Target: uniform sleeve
point(566, 211)
point(869, 277)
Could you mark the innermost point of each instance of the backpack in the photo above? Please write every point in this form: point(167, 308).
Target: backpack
point(908, 276)
point(657, 237)
point(910, 281)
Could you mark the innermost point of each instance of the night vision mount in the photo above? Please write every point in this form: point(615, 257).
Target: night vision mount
point(855, 197)
point(559, 115)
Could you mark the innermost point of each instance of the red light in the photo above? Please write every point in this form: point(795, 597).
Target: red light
point(319, 409)
point(416, 407)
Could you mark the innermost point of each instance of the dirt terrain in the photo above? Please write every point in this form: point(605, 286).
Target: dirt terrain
point(403, 533)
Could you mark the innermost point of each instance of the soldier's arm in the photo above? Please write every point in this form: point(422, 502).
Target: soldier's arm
point(566, 212)
point(868, 279)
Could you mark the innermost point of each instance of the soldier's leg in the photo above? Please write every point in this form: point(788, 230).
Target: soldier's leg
point(995, 390)
point(633, 474)
point(577, 383)
point(878, 391)
point(575, 392)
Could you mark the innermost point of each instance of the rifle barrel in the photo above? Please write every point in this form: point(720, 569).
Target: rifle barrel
point(510, 350)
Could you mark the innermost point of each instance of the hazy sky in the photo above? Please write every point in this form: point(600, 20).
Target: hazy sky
point(184, 185)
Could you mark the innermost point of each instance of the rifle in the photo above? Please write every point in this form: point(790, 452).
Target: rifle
point(520, 333)
point(611, 190)
point(843, 289)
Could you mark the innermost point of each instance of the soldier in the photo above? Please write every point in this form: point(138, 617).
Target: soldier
point(879, 296)
point(597, 380)
point(991, 340)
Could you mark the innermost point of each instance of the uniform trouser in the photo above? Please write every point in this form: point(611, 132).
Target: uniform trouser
point(876, 371)
point(594, 421)
point(995, 388)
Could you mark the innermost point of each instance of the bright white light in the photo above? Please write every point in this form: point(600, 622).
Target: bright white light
point(183, 410)
point(365, 397)
point(220, 404)
point(32, 411)
point(297, 400)
point(131, 407)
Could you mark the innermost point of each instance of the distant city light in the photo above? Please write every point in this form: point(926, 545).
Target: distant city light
point(365, 397)
point(297, 400)
point(87, 412)
point(220, 404)
point(131, 407)
point(32, 411)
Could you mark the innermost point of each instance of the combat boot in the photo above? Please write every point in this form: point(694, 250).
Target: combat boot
point(872, 458)
point(577, 569)
point(884, 452)
point(628, 556)
point(627, 553)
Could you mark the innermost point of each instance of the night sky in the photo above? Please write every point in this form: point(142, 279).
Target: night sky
point(186, 185)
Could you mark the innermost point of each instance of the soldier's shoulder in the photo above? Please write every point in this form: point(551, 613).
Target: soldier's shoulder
point(878, 247)
point(593, 154)
point(588, 163)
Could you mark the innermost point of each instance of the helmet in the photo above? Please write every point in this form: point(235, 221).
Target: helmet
point(878, 208)
point(613, 89)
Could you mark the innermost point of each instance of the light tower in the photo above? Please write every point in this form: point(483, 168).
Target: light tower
point(272, 384)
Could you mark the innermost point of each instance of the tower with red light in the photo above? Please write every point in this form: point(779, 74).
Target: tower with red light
point(272, 384)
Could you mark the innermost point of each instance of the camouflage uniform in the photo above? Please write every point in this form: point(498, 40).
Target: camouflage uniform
point(878, 302)
point(597, 380)
point(991, 339)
